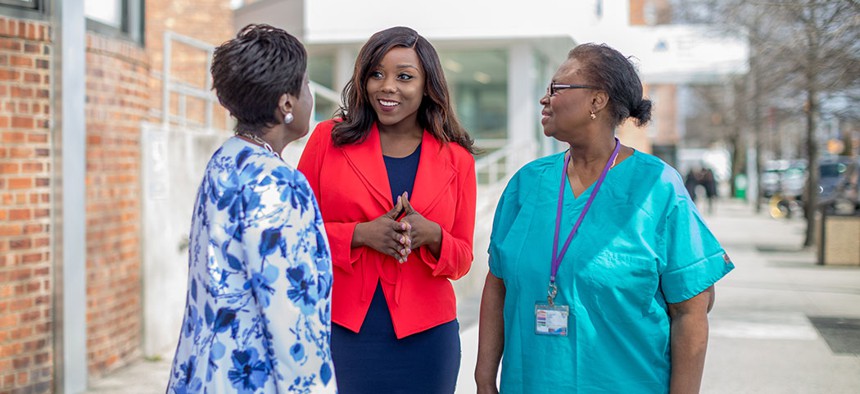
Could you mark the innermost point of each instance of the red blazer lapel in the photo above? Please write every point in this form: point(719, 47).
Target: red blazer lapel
point(365, 159)
point(435, 173)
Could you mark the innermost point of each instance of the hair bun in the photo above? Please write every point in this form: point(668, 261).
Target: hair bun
point(641, 112)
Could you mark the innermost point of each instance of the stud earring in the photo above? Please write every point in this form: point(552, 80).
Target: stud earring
point(288, 118)
point(593, 116)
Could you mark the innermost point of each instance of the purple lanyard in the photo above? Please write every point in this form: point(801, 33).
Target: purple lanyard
point(556, 254)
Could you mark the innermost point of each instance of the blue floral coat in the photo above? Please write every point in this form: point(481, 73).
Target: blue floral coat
point(258, 314)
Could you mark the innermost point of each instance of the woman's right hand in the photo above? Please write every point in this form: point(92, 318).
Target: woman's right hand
point(385, 234)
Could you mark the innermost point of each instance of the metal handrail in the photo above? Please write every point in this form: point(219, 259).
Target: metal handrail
point(185, 90)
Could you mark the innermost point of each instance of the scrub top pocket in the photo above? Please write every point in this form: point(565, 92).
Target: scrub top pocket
point(619, 287)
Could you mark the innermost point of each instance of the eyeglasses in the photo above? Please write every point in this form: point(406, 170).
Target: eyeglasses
point(553, 88)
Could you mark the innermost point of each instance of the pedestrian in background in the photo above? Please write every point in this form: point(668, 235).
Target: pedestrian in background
point(257, 317)
point(710, 184)
point(395, 178)
point(691, 182)
point(617, 299)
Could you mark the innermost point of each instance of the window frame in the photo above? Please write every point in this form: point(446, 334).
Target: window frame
point(131, 23)
point(24, 10)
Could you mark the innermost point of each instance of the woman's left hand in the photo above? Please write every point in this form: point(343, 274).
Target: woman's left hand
point(424, 232)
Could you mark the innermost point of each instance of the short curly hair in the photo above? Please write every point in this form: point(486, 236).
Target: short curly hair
point(252, 71)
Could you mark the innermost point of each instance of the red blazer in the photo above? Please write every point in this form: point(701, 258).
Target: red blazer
point(351, 185)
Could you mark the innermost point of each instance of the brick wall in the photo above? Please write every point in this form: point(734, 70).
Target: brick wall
point(26, 354)
point(117, 103)
point(650, 12)
point(121, 93)
point(664, 122)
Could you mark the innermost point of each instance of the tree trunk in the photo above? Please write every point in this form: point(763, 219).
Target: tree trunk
point(810, 207)
point(756, 73)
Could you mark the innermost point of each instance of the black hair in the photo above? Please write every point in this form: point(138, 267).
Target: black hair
point(435, 113)
point(252, 71)
point(608, 69)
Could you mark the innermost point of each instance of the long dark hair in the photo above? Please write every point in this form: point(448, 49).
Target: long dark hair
point(434, 114)
point(608, 69)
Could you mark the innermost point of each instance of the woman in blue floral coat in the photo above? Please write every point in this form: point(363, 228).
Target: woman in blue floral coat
point(258, 316)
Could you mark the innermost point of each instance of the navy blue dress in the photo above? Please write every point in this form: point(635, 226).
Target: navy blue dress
point(374, 360)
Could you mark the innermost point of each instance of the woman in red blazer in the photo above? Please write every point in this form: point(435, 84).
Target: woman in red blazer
point(395, 180)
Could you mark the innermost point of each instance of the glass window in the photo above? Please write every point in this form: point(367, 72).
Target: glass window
point(23, 8)
point(321, 72)
point(478, 83)
point(321, 69)
point(108, 12)
point(121, 18)
point(33, 4)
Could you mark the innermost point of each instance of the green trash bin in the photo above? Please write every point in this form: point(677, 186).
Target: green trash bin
point(741, 186)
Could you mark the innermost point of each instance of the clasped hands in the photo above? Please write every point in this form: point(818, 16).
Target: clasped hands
point(399, 231)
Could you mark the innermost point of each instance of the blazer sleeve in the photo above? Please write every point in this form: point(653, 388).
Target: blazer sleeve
point(455, 258)
point(339, 233)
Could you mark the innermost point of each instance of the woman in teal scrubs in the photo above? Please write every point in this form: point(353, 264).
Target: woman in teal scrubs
point(602, 271)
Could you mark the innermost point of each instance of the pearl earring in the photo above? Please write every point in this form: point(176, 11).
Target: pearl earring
point(288, 118)
point(593, 116)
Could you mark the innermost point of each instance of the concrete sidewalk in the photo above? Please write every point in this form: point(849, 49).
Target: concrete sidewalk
point(781, 323)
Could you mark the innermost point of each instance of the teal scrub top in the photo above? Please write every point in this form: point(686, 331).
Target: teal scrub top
point(641, 245)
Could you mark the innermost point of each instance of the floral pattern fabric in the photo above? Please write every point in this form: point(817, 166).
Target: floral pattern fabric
point(258, 312)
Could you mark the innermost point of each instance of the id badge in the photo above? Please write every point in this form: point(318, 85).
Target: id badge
point(551, 319)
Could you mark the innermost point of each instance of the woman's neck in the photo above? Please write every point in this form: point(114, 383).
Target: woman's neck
point(592, 155)
point(275, 137)
point(401, 130)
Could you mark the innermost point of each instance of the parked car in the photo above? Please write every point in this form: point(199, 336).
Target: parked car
point(786, 178)
point(839, 185)
point(783, 183)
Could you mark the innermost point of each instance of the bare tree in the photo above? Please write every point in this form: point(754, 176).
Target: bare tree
point(822, 52)
point(807, 49)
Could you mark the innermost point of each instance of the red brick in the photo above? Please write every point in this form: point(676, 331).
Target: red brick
point(20, 183)
point(20, 244)
point(7, 321)
point(17, 153)
point(10, 44)
point(18, 305)
point(20, 214)
point(13, 137)
point(20, 92)
point(9, 168)
point(22, 122)
point(32, 257)
point(21, 61)
point(37, 138)
point(8, 75)
point(30, 77)
point(32, 167)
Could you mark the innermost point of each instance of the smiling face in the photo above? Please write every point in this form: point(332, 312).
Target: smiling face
point(395, 88)
point(569, 110)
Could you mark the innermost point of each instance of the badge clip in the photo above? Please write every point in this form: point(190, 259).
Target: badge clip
point(551, 292)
